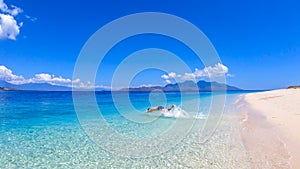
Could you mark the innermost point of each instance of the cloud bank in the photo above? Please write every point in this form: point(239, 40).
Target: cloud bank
point(9, 27)
point(8, 76)
point(218, 70)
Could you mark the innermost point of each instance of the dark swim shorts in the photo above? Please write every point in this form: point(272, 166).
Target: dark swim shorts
point(160, 107)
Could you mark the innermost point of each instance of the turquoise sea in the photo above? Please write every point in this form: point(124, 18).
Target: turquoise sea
point(42, 130)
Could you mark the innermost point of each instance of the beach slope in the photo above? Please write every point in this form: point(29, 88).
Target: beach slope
point(281, 109)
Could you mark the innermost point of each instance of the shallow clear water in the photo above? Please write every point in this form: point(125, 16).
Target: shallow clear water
point(42, 130)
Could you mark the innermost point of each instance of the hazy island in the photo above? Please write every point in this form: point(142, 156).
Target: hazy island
point(182, 86)
point(187, 86)
point(7, 89)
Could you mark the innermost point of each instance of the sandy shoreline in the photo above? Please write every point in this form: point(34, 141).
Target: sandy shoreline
point(271, 128)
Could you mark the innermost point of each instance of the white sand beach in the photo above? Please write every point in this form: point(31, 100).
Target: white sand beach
point(272, 129)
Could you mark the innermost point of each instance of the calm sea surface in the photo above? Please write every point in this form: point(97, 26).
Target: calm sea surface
point(43, 130)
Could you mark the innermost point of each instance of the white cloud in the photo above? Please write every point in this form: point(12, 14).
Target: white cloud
point(188, 76)
point(148, 85)
point(3, 7)
point(168, 81)
point(33, 19)
point(172, 75)
point(169, 75)
point(9, 27)
point(14, 10)
point(51, 79)
point(8, 76)
point(217, 70)
point(200, 73)
point(86, 85)
point(165, 77)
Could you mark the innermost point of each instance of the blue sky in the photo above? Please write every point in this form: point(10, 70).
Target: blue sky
point(259, 42)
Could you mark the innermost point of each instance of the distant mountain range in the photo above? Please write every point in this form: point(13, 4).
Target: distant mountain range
point(188, 86)
point(33, 86)
point(184, 86)
point(37, 86)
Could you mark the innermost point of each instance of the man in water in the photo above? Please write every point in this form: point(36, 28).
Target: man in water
point(160, 108)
